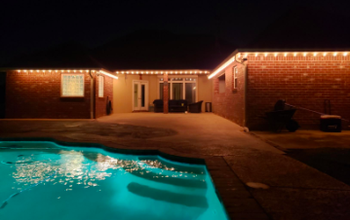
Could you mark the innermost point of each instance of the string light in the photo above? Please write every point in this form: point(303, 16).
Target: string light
point(285, 54)
point(345, 54)
point(324, 54)
point(295, 54)
point(304, 54)
point(275, 54)
point(335, 54)
point(315, 54)
point(161, 72)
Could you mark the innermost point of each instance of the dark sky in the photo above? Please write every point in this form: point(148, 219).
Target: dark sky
point(35, 25)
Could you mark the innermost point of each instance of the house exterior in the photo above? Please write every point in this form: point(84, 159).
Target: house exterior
point(242, 88)
point(250, 81)
point(59, 94)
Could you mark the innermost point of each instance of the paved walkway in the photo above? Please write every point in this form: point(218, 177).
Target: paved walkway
point(234, 158)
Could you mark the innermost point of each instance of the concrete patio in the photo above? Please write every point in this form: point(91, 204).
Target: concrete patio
point(234, 158)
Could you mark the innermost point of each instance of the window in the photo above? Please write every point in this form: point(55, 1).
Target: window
point(180, 88)
point(222, 83)
point(235, 77)
point(72, 85)
point(101, 84)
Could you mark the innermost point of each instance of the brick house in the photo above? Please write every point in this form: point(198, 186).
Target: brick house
point(249, 82)
point(244, 86)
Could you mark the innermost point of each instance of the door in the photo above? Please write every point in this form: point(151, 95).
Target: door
point(140, 95)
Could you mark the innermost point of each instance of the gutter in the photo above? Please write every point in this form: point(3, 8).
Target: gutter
point(245, 72)
point(92, 92)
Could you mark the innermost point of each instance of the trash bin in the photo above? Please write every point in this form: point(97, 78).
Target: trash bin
point(330, 123)
point(208, 107)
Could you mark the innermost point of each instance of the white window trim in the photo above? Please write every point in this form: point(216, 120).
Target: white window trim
point(75, 96)
point(235, 77)
point(99, 86)
point(170, 84)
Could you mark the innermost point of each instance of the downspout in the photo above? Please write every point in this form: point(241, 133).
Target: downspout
point(91, 95)
point(245, 72)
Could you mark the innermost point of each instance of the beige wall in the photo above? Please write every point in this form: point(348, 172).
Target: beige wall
point(204, 90)
point(122, 91)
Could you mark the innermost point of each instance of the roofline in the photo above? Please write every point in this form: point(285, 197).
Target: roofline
point(250, 50)
point(162, 71)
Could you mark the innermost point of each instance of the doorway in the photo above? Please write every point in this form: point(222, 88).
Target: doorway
point(140, 95)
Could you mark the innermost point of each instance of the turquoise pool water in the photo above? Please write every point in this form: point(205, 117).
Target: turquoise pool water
point(46, 181)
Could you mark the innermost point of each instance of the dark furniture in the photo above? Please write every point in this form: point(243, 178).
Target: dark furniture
point(330, 123)
point(177, 105)
point(173, 105)
point(158, 105)
point(195, 107)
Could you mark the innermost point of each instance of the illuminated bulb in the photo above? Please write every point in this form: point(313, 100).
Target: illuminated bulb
point(304, 54)
point(93, 71)
point(43, 71)
point(56, 71)
point(256, 54)
point(81, 71)
point(335, 54)
point(315, 54)
point(285, 54)
point(324, 54)
point(275, 54)
point(146, 72)
point(24, 70)
point(19, 71)
point(345, 54)
point(68, 71)
point(200, 71)
point(122, 72)
point(151, 72)
point(265, 54)
point(132, 72)
point(180, 71)
point(156, 72)
point(166, 72)
point(75, 71)
point(38, 70)
point(31, 71)
point(87, 71)
point(295, 54)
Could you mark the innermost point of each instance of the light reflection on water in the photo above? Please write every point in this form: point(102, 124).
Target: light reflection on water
point(73, 168)
point(117, 185)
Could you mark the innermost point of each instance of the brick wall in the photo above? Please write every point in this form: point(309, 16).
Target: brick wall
point(101, 103)
point(37, 95)
point(301, 81)
point(230, 104)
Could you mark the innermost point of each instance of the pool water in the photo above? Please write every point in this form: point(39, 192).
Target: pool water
point(43, 180)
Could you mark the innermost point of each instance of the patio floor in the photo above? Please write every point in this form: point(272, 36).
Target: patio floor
point(234, 158)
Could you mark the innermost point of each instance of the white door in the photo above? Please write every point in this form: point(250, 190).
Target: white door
point(140, 95)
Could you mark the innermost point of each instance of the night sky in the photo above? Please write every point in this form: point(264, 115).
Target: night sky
point(30, 26)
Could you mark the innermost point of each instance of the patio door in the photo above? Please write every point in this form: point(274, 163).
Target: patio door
point(140, 95)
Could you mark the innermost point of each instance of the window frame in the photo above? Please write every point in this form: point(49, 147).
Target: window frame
point(170, 86)
point(235, 77)
point(99, 86)
point(73, 96)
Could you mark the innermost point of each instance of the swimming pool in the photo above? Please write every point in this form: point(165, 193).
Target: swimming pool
point(44, 180)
